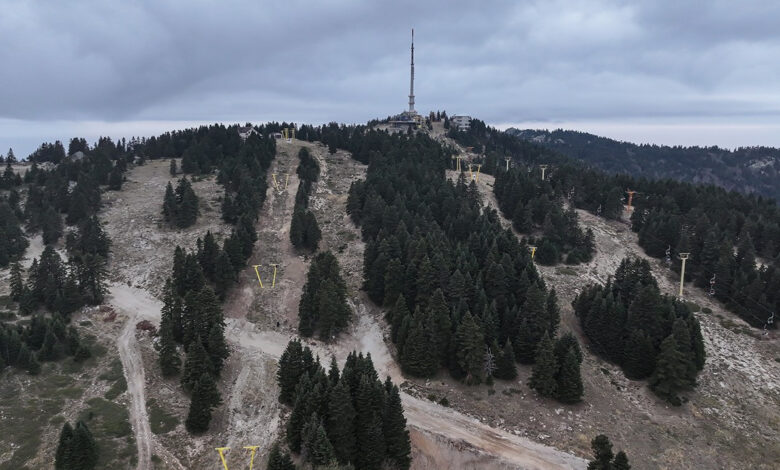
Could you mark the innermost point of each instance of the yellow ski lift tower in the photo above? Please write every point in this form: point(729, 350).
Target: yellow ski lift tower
point(533, 250)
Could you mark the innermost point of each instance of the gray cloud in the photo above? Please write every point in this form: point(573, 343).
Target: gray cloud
point(505, 61)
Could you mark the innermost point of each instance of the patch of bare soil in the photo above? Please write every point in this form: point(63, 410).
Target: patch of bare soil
point(731, 420)
point(142, 244)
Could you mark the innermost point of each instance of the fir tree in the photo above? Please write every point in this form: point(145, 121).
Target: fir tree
point(170, 208)
point(341, 422)
point(204, 397)
point(621, 462)
point(639, 357)
point(671, 374)
point(63, 457)
point(602, 453)
point(568, 380)
point(470, 349)
point(196, 364)
point(505, 363)
point(17, 283)
point(397, 443)
point(84, 452)
point(172, 168)
point(170, 362)
point(278, 460)
point(545, 368)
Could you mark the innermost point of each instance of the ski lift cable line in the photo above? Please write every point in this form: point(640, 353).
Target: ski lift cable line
point(746, 309)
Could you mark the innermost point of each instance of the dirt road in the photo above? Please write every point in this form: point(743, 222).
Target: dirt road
point(137, 305)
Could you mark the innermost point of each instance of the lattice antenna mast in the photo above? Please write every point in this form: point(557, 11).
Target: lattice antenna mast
point(411, 79)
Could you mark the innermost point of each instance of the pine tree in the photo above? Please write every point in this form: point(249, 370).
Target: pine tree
point(17, 283)
point(416, 359)
point(370, 440)
point(397, 443)
point(172, 168)
point(341, 422)
point(217, 348)
point(84, 452)
point(505, 363)
point(470, 349)
point(568, 380)
point(204, 396)
point(639, 357)
point(115, 179)
point(63, 457)
point(170, 362)
point(277, 460)
point(291, 367)
point(196, 364)
point(224, 275)
point(602, 453)
point(321, 450)
point(170, 208)
point(187, 204)
point(671, 372)
point(545, 368)
point(621, 462)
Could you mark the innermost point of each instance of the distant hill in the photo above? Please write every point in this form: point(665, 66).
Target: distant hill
point(747, 169)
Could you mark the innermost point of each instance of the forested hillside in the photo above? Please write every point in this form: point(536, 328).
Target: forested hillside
point(745, 169)
point(732, 238)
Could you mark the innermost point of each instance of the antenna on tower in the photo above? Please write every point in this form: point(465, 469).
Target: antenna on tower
point(411, 79)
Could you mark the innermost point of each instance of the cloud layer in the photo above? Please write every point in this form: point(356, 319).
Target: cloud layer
point(506, 61)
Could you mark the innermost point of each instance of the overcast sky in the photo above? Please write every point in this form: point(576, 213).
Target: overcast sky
point(668, 71)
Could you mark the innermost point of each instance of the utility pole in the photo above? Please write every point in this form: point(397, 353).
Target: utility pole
point(630, 198)
point(543, 167)
point(507, 159)
point(683, 257)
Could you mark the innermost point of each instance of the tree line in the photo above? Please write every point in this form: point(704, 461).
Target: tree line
point(744, 169)
point(649, 335)
point(304, 230)
point(44, 339)
point(342, 417)
point(701, 219)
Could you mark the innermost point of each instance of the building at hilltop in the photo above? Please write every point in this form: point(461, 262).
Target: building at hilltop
point(460, 122)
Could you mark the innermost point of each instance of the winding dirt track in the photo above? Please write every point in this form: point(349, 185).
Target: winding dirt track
point(137, 305)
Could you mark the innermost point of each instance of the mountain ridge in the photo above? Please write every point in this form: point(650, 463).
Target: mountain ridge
point(744, 169)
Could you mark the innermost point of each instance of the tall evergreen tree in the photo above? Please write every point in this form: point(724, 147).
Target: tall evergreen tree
point(545, 369)
point(397, 443)
point(204, 398)
point(568, 380)
point(341, 422)
point(471, 349)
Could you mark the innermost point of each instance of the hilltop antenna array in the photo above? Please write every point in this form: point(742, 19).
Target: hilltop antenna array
point(411, 80)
